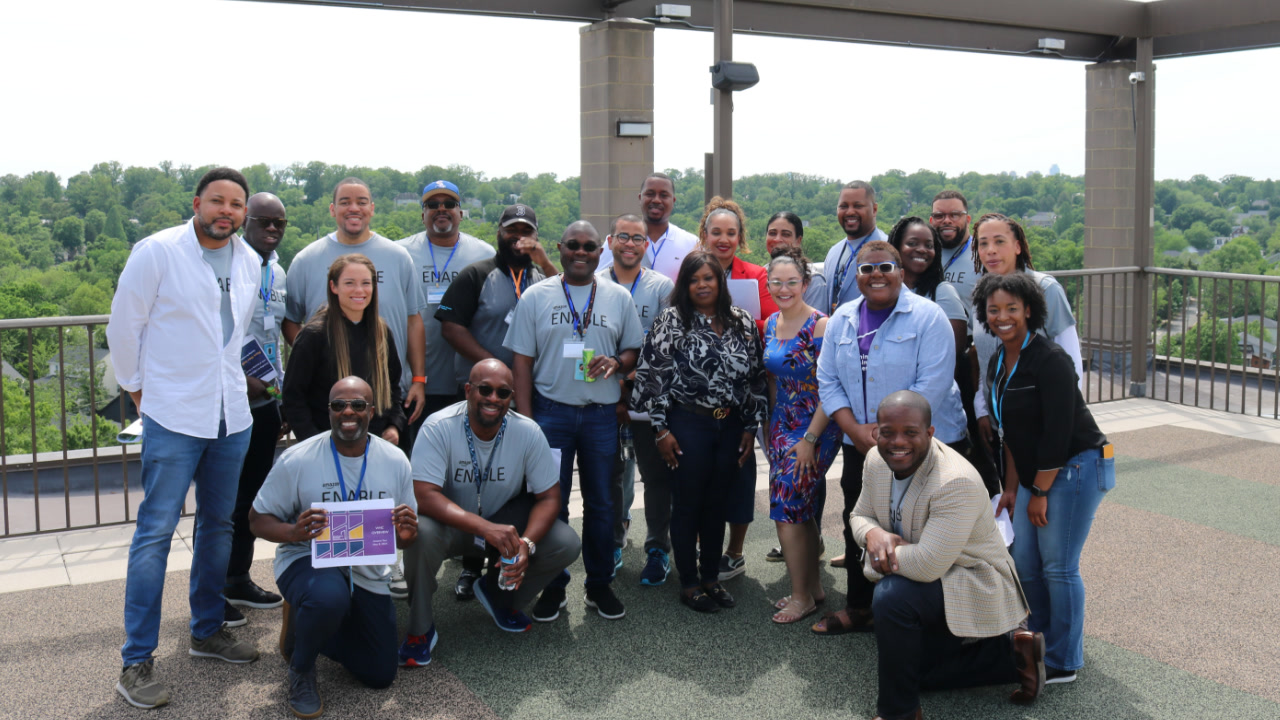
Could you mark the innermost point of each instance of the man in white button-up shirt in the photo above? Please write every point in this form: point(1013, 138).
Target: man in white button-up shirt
point(177, 325)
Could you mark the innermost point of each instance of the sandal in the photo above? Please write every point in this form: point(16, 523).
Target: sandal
point(700, 601)
point(782, 602)
point(721, 596)
point(782, 617)
point(843, 622)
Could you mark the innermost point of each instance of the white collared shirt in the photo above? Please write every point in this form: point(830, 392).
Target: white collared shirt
point(165, 333)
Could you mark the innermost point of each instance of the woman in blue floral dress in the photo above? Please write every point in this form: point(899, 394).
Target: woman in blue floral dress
point(801, 443)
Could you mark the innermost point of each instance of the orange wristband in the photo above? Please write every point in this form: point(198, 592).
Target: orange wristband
point(420, 379)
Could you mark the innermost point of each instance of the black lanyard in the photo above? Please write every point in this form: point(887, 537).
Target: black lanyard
point(481, 478)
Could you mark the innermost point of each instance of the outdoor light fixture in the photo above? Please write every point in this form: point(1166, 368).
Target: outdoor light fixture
point(675, 12)
point(1051, 44)
point(732, 76)
point(631, 128)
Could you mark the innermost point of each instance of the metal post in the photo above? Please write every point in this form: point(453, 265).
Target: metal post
point(721, 182)
point(1144, 118)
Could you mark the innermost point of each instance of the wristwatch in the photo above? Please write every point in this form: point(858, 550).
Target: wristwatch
point(532, 548)
point(1037, 492)
point(813, 439)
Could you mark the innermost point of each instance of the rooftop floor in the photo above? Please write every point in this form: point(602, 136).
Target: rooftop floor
point(1182, 619)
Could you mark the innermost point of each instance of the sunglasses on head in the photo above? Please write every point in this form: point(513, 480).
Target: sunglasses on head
point(884, 267)
point(435, 204)
point(340, 405)
point(574, 246)
point(487, 390)
point(267, 223)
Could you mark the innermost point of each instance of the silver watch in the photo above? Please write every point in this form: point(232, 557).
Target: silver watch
point(813, 439)
point(532, 548)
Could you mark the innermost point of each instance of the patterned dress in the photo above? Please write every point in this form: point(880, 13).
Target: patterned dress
point(794, 364)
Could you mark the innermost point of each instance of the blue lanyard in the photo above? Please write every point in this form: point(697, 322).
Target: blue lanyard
point(580, 324)
point(342, 483)
point(657, 249)
point(481, 478)
point(842, 272)
point(265, 290)
point(997, 403)
point(959, 252)
point(614, 275)
point(439, 273)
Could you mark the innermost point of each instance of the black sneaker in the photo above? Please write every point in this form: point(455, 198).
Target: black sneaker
point(231, 617)
point(1054, 676)
point(464, 589)
point(549, 605)
point(248, 594)
point(601, 598)
point(304, 699)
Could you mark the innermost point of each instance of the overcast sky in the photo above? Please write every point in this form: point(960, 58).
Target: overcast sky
point(236, 83)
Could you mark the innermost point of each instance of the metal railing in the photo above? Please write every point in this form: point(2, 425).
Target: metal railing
point(1101, 301)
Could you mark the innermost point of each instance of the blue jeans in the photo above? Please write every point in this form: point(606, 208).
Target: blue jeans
point(170, 461)
point(591, 433)
point(1048, 558)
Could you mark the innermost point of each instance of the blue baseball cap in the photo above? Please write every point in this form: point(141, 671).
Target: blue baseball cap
point(441, 187)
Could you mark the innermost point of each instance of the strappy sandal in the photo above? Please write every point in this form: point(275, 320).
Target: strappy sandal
point(782, 602)
point(782, 617)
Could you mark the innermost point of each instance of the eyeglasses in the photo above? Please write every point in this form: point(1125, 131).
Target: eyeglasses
point(790, 284)
point(435, 204)
point(575, 246)
point(340, 405)
point(884, 267)
point(487, 390)
point(940, 216)
point(267, 223)
point(626, 238)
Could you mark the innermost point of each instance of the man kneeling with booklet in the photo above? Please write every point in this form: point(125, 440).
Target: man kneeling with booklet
point(947, 602)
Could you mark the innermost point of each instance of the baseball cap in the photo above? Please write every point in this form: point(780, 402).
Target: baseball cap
point(441, 187)
point(518, 214)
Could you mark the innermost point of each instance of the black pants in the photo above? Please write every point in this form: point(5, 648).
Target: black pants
point(257, 463)
point(700, 490)
point(979, 456)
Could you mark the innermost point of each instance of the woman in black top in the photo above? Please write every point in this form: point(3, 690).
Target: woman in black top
point(701, 378)
point(1055, 452)
point(334, 345)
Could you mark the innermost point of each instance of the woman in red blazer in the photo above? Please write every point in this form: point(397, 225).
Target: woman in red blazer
point(723, 231)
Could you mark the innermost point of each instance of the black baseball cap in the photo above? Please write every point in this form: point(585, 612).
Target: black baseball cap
point(518, 214)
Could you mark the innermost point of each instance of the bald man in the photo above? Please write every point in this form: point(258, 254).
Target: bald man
point(485, 484)
point(345, 613)
point(264, 225)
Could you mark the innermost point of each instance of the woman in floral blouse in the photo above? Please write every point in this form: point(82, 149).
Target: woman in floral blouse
point(701, 379)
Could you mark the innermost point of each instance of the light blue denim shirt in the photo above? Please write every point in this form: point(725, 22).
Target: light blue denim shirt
point(913, 350)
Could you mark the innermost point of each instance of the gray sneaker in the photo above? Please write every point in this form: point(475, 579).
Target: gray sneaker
point(139, 688)
point(223, 646)
point(399, 587)
point(304, 699)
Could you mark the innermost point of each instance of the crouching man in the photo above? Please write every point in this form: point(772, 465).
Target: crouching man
point(947, 603)
point(486, 482)
point(343, 612)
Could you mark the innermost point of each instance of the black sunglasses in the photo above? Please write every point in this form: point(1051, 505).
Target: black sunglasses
point(574, 246)
point(340, 405)
point(267, 223)
point(884, 267)
point(435, 204)
point(487, 390)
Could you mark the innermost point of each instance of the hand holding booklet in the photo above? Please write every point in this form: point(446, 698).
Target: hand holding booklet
point(255, 362)
point(360, 532)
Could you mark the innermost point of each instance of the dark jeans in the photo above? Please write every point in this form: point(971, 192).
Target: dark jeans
point(257, 463)
point(356, 629)
point(917, 651)
point(588, 432)
point(979, 456)
point(741, 507)
point(700, 490)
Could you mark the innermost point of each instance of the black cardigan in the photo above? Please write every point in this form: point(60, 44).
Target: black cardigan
point(1045, 419)
point(312, 373)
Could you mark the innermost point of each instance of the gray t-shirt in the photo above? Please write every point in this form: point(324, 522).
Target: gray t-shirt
point(957, 269)
point(543, 329)
point(815, 296)
point(437, 266)
point(305, 474)
point(948, 299)
point(399, 291)
point(220, 261)
point(273, 281)
point(897, 492)
point(650, 293)
point(441, 457)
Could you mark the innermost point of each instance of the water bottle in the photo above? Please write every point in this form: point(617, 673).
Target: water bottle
point(507, 582)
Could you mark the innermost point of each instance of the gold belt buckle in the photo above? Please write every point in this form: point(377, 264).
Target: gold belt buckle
point(720, 413)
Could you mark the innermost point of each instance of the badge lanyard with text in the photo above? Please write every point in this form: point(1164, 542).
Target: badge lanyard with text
point(955, 257)
point(997, 403)
point(342, 484)
point(268, 317)
point(438, 271)
point(843, 271)
point(479, 477)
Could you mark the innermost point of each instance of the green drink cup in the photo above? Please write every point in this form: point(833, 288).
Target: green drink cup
point(587, 356)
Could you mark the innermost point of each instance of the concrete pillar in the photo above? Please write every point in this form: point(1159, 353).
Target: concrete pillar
point(617, 84)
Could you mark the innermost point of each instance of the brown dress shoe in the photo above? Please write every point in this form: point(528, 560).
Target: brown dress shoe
point(918, 716)
point(1028, 656)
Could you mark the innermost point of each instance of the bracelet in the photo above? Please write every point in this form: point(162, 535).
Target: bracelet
point(420, 379)
point(664, 434)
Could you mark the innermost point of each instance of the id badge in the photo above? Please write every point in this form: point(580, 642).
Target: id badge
point(510, 316)
point(574, 350)
point(268, 319)
point(436, 294)
point(270, 350)
point(479, 542)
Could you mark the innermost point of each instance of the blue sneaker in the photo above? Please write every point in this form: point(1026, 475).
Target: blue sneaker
point(416, 649)
point(507, 620)
point(656, 568)
point(617, 559)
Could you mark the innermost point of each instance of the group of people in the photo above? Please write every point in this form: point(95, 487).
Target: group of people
point(634, 357)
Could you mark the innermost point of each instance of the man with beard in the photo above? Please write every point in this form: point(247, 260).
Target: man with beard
point(343, 612)
point(571, 335)
point(856, 215)
point(668, 244)
point(650, 291)
point(399, 290)
point(439, 253)
point(263, 229)
point(181, 310)
point(485, 480)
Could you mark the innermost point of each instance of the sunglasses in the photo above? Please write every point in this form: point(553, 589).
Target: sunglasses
point(435, 204)
point(575, 246)
point(884, 267)
point(487, 390)
point(340, 405)
point(267, 223)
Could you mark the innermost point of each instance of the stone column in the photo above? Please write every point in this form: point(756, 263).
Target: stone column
point(617, 84)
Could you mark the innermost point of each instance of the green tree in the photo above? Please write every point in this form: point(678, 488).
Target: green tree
point(115, 224)
point(1199, 236)
point(69, 233)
